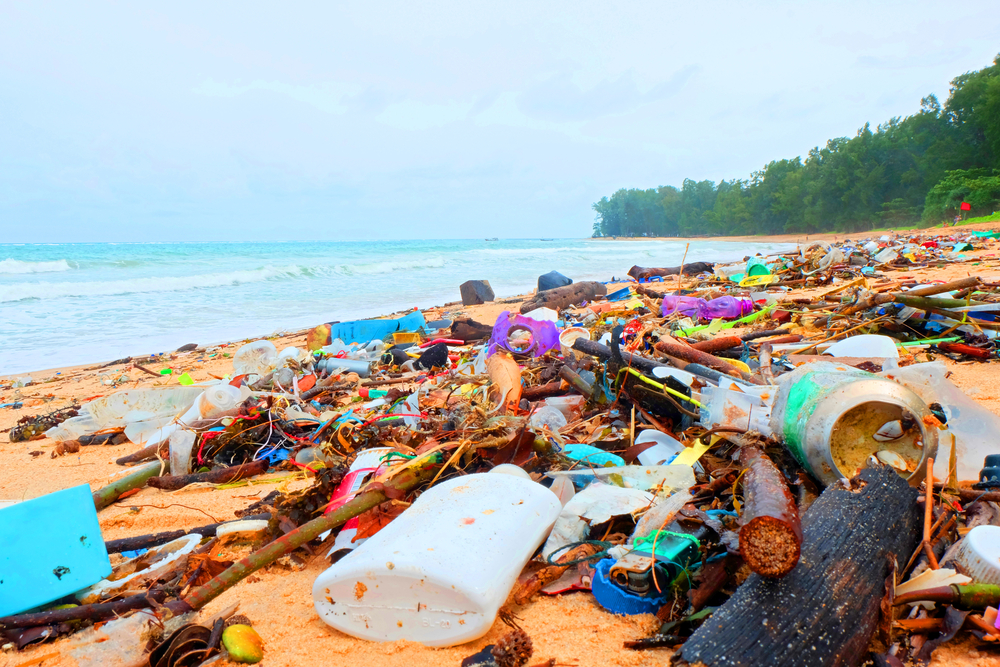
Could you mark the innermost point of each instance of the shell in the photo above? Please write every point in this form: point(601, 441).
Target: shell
point(891, 458)
point(243, 644)
point(889, 431)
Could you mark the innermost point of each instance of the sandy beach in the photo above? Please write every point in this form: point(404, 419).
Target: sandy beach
point(571, 628)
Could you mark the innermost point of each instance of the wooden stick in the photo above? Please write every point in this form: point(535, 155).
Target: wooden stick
point(110, 493)
point(406, 481)
point(231, 474)
point(681, 271)
point(929, 515)
point(91, 612)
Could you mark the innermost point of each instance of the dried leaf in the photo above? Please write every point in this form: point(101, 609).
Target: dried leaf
point(210, 567)
point(379, 517)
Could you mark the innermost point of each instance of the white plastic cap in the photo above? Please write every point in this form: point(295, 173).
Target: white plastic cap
point(979, 554)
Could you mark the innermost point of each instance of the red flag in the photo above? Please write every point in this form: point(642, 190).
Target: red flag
point(966, 206)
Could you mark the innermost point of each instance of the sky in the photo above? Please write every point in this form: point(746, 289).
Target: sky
point(220, 121)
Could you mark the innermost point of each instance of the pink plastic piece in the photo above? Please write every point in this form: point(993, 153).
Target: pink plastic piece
point(544, 335)
point(726, 307)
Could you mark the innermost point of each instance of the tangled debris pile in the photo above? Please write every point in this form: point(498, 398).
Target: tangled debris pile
point(761, 454)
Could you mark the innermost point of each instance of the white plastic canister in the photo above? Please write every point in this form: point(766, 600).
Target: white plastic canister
point(440, 571)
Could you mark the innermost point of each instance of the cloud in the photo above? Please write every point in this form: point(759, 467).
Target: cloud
point(559, 99)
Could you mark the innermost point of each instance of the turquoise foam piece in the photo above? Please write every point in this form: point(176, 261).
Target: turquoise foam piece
point(50, 547)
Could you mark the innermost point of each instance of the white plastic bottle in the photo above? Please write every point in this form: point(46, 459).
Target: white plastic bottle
point(440, 571)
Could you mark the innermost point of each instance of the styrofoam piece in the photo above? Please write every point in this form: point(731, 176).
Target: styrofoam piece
point(663, 372)
point(865, 345)
point(50, 547)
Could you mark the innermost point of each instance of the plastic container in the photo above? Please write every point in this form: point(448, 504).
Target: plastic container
point(115, 409)
point(367, 463)
point(734, 409)
point(756, 266)
point(214, 402)
point(567, 337)
point(828, 415)
point(181, 444)
point(439, 572)
point(255, 358)
point(726, 307)
point(547, 417)
point(406, 338)
point(363, 367)
point(975, 428)
point(979, 554)
point(570, 406)
point(663, 452)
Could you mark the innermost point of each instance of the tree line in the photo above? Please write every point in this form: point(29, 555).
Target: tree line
point(918, 168)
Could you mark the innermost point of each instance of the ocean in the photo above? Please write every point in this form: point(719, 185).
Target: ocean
point(67, 304)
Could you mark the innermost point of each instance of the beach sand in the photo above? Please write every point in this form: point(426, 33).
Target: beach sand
point(571, 628)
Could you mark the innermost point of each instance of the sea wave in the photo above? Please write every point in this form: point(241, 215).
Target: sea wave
point(373, 268)
point(12, 266)
point(56, 290)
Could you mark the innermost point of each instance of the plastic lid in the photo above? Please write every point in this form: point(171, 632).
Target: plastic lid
point(979, 554)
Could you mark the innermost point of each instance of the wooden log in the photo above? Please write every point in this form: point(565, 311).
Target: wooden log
point(771, 535)
point(754, 335)
point(603, 352)
point(690, 269)
point(705, 359)
point(231, 474)
point(718, 344)
point(541, 391)
point(563, 297)
point(825, 611)
point(961, 283)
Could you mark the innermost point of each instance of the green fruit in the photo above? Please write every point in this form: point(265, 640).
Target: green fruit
point(243, 644)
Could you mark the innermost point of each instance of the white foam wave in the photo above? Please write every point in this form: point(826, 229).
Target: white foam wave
point(11, 265)
point(55, 290)
point(388, 267)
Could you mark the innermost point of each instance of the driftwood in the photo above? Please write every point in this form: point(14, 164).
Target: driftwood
point(703, 358)
point(825, 611)
point(156, 539)
point(541, 391)
point(690, 269)
point(223, 476)
point(146, 453)
point(563, 297)
point(771, 535)
point(718, 344)
point(91, 612)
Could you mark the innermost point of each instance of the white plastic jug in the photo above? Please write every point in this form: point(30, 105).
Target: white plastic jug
point(440, 571)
